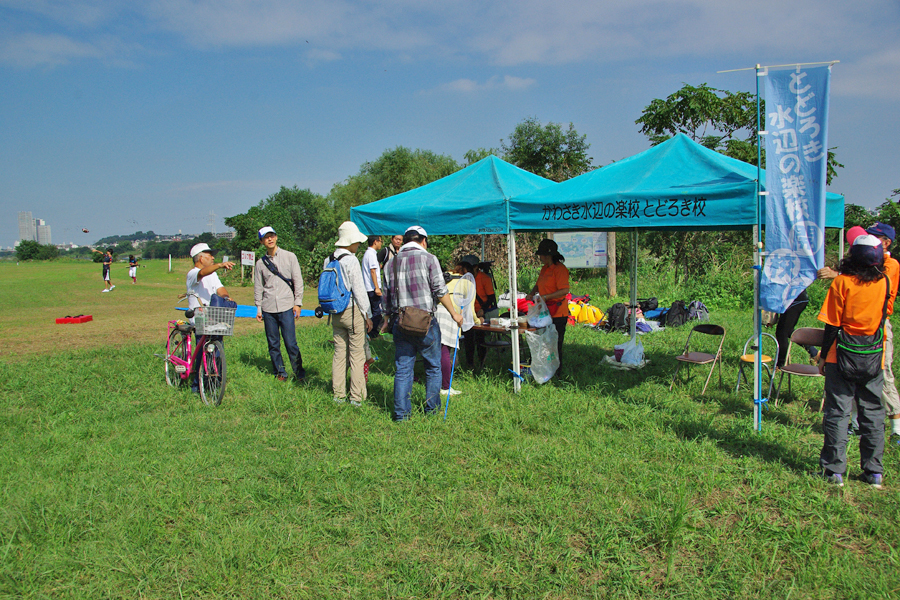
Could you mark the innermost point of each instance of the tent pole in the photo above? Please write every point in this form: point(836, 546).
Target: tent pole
point(757, 271)
point(514, 307)
point(632, 328)
point(841, 245)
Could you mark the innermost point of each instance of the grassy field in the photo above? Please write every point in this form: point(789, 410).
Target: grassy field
point(602, 485)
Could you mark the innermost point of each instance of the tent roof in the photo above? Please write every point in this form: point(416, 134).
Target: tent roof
point(472, 200)
point(676, 184)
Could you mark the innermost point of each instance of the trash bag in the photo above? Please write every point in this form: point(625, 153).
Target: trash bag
point(539, 314)
point(632, 352)
point(544, 357)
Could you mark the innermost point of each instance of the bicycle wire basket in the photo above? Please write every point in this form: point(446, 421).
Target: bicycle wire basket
point(214, 320)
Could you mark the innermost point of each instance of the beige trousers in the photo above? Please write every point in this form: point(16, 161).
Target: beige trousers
point(889, 396)
point(349, 328)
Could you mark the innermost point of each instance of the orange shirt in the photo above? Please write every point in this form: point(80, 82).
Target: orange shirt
point(892, 270)
point(853, 305)
point(484, 287)
point(554, 277)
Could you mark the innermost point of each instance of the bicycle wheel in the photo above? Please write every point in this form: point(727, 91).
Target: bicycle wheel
point(177, 348)
point(212, 373)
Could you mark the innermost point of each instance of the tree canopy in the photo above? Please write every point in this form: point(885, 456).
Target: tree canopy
point(396, 171)
point(31, 250)
point(546, 150)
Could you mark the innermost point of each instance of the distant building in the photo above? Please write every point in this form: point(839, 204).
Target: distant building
point(26, 227)
point(34, 230)
point(227, 235)
point(43, 231)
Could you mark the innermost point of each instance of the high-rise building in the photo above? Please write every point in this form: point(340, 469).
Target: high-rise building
point(26, 226)
point(43, 231)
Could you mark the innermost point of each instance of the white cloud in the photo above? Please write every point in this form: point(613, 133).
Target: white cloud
point(468, 86)
point(721, 33)
point(872, 76)
point(31, 50)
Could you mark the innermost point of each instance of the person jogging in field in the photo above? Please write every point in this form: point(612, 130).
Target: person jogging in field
point(107, 263)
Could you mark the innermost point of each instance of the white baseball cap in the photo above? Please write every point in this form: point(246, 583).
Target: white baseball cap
point(264, 230)
point(418, 230)
point(198, 248)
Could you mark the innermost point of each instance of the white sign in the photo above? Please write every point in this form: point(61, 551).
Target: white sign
point(248, 258)
point(582, 249)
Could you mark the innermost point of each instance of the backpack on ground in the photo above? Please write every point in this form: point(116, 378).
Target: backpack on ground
point(677, 315)
point(615, 317)
point(649, 304)
point(334, 297)
point(697, 310)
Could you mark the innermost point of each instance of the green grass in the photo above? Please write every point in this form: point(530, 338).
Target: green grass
point(602, 485)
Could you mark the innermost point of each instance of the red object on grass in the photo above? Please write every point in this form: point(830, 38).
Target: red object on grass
point(78, 319)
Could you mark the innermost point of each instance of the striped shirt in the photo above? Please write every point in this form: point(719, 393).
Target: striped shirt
point(421, 280)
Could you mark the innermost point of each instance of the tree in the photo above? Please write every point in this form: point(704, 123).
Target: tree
point(547, 150)
point(394, 172)
point(857, 215)
point(31, 250)
point(304, 221)
point(474, 155)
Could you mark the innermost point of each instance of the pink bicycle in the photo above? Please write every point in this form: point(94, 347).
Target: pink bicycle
point(208, 358)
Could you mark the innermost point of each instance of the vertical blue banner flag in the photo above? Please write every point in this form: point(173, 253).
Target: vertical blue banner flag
point(796, 160)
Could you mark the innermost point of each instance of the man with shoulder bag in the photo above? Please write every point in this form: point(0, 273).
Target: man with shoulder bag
point(414, 281)
point(278, 294)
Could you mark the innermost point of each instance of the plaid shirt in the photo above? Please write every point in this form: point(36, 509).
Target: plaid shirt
point(420, 278)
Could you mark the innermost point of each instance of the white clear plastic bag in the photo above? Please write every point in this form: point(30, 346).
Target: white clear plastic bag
point(544, 353)
point(539, 314)
point(632, 352)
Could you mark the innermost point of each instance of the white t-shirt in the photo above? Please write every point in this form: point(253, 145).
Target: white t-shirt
point(369, 262)
point(205, 288)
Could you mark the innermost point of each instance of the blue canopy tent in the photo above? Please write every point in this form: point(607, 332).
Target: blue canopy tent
point(474, 200)
point(678, 184)
point(471, 201)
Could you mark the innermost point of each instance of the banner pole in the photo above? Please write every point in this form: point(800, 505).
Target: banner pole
point(757, 272)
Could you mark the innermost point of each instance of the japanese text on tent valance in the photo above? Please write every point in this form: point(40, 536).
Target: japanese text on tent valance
point(657, 208)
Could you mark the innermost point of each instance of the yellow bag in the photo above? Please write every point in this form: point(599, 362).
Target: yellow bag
point(574, 310)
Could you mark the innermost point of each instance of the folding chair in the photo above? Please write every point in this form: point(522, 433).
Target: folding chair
point(805, 336)
point(702, 358)
point(767, 361)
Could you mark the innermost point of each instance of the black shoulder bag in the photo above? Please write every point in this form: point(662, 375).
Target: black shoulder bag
point(859, 357)
point(271, 266)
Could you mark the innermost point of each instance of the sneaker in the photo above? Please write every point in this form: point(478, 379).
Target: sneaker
point(834, 478)
point(339, 400)
point(451, 392)
point(111, 288)
point(873, 479)
point(104, 290)
point(356, 404)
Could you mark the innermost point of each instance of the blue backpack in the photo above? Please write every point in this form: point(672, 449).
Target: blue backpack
point(334, 297)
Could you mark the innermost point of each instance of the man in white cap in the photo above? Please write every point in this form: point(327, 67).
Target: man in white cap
point(414, 278)
point(350, 326)
point(278, 295)
point(202, 279)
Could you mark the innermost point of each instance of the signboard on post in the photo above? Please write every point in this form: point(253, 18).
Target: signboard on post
point(583, 249)
point(247, 259)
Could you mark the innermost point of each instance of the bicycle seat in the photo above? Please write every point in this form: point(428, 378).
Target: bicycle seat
point(185, 327)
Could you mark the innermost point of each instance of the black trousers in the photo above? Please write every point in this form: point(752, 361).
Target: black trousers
point(787, 322)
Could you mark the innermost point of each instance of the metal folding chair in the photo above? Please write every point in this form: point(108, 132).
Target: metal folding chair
point(767, 361)
point(702, 358)
point(806, 336)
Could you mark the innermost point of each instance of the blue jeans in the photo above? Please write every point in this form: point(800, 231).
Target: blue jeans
point(406, 349)
point(283, 321)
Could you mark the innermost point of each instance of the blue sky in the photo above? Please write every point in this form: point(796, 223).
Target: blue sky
point(123, 116)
